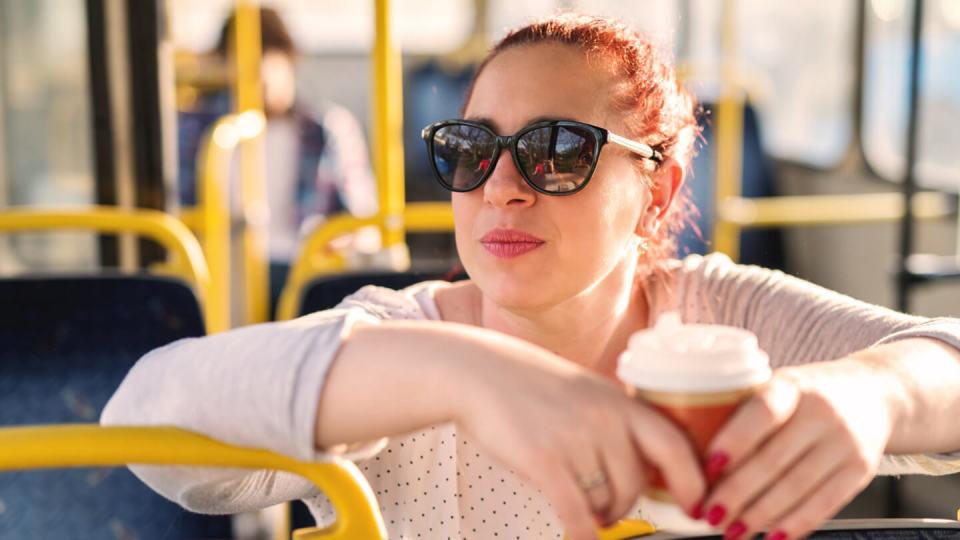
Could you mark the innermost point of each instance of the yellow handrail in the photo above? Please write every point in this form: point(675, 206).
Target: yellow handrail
point(387, 127)
point(248, 103)
point(755, 212)
point(316, 258)
point(186, 257)
point(90, 445)
point(726, 236)
point(213, 170)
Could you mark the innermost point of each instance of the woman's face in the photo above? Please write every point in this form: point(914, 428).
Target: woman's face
point(587, 237)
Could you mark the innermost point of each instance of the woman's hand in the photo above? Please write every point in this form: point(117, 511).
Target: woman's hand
point(574, 435)
point(791, 457)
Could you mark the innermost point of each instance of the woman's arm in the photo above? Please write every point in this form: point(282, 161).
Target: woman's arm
point(255, 386)
point(862, 381)
point(552, 422)
point(921, 377)
point(549, 420)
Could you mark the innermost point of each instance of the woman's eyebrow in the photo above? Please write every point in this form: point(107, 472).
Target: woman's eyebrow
point(549, 118)
point(483, 120)
point(493, 125)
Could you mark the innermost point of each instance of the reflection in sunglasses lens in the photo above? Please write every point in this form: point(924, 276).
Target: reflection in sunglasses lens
point(462, 154)
point(557, 159)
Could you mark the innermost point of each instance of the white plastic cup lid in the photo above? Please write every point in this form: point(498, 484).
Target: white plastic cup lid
point(677, 357)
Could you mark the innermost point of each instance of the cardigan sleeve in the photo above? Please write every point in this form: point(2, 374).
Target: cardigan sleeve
point(256, 386)
point(797, 322)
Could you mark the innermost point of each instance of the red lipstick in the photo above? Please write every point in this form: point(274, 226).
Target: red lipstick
point(509, 243)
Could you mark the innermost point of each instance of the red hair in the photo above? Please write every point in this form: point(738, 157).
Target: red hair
point(657, 109)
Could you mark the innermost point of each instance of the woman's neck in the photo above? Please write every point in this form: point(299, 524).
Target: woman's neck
point(590, 329)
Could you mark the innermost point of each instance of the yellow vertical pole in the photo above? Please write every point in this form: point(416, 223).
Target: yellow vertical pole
point(726, 235)
point(388, 129)
point(215, 154)
point(249, 107)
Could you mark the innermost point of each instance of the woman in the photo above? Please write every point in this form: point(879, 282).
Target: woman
point(498, 396)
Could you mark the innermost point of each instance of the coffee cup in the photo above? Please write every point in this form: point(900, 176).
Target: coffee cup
point(695, 374)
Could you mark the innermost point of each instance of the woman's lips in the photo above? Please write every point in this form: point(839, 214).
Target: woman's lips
point(509, 243)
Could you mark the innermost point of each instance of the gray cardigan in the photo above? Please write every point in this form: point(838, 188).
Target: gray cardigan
point(259, 386)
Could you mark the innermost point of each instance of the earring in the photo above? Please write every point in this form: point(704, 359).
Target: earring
point(641, 244)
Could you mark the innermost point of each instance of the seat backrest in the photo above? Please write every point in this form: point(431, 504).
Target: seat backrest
point(327, 291)
point(757, 246)
point(67, 343)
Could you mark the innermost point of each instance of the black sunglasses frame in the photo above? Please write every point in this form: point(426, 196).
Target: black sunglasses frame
point(601, 138)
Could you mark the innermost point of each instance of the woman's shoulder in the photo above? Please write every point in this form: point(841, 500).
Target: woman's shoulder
point(414, 302)
point(701, 284)
point(694, 268)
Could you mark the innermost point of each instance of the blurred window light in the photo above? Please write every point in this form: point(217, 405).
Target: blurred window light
point(796, 60)
point(656, 18)
point(334, 26)
point(801, 87)
point(886, 86)
point(45, 127)
point(951, 14)
point(888, 10)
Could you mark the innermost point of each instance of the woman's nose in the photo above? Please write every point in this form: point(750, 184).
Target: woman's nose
point(505, 187)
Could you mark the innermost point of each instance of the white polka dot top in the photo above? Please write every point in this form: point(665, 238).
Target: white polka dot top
point(258, 386)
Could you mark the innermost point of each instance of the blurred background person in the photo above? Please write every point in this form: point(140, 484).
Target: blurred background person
point(317, 162)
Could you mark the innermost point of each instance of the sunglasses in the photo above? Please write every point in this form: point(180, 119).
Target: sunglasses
point(555, 157)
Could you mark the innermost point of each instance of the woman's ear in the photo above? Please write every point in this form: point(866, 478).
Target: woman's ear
point(665, 184)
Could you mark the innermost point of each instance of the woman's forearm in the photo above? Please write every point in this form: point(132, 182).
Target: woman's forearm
point(921, 377)
point(399, 377)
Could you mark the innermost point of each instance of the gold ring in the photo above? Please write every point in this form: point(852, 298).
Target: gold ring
point(593, 481)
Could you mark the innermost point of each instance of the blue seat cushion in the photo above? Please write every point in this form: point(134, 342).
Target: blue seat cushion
point(67, 343)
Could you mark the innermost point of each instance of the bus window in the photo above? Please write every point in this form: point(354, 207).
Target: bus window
point(886, 86)
point(336, 26)
point(797, 59)
point(45, 147)
point(656, 18)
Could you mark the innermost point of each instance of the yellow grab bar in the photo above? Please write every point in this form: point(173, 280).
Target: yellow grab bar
point(186, 259)
point(387, 126)
point(213, 216)
point(829, 209)
point(726, 236)
point(91, 445)
point(316, 258)
point(249, 104)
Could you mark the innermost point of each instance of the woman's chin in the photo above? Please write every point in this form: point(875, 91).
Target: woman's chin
point(515, 291)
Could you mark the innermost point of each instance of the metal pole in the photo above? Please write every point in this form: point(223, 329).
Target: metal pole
point(249, 107)
point(388, 130)
point(904, 278)
point(729, 134)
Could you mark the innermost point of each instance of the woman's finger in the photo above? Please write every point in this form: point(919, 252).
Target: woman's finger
point(762, 468)
point(824, 502)
point(668, 449)
point(759, 418)
point(794, 487)
point(595, 483)
point(557, 482)
point(625, 467)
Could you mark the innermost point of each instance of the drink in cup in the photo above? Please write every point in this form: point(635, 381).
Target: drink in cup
point(695, 374)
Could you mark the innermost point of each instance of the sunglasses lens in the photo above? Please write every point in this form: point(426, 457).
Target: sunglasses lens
point(557, 159)
point(462, 154)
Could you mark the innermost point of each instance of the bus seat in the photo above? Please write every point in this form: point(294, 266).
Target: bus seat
point(326, 292)
point(757, 246)
point(68, 342)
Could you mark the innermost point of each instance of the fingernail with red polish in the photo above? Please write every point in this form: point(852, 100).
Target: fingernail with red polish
point(715, 514)
point(714, 465)
point(697, 511)
point(734, 531)
point(777, 535)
